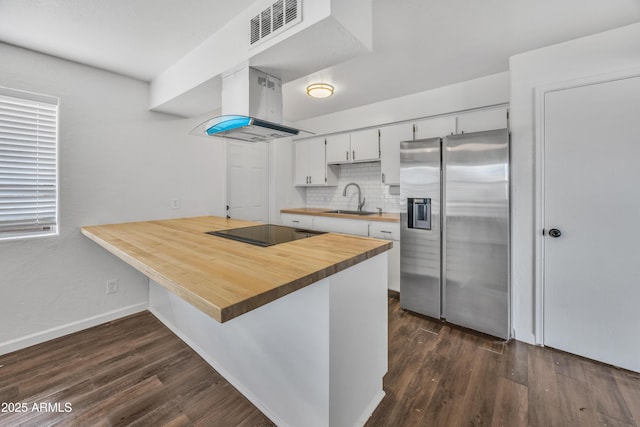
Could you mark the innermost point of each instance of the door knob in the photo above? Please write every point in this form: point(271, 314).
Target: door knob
point(554, 232)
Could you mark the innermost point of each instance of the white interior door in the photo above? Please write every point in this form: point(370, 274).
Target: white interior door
point(248, 181)
point(591, 273)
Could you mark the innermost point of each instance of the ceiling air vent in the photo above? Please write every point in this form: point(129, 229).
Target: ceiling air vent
point(281, 15)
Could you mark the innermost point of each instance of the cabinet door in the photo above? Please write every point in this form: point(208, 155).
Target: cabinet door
point(338, 148)
point(365, 145)
point(385, 230)
point(337, 225)
point(478, 121)
point(390, 138)
point(299, 221)
point(316, 161)
point(301, 175)
point(435, 127)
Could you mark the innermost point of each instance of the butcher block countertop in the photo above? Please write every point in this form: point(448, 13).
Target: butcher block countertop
point(226, 278)
point(384, 216)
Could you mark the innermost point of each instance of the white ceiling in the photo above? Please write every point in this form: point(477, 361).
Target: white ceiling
point(138, 38)
point(418, 44)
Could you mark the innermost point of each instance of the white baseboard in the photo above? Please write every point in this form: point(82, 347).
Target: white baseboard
point(69, 328)
point(372, 407)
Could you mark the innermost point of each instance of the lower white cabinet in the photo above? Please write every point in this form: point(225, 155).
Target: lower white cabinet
point(375, 229)
point(389, 231)
point(300, 221)
point(338, 225)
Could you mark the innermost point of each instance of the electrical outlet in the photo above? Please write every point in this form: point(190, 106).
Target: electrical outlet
point(175, 204)
point(112, 286)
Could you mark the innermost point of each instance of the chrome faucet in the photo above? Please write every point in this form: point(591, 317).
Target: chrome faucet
point(360, 199)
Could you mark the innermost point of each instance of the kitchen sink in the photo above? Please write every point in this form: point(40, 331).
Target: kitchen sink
point(340, 211)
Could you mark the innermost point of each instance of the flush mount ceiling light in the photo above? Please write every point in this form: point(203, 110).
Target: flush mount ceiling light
point(319, 90)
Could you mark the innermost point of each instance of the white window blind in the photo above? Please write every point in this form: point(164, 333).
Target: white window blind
point(28, 164)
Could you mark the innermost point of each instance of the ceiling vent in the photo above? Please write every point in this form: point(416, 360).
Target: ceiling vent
point(282, 14)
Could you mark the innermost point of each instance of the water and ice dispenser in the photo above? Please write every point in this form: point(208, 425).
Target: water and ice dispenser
point(419, 213)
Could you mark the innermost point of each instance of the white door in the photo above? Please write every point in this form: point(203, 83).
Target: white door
point(591, 190)
point(248, 181)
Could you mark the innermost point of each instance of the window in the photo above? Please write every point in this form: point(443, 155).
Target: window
point(28, 164)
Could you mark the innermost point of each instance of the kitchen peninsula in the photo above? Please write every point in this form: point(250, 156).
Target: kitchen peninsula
point(300, 328)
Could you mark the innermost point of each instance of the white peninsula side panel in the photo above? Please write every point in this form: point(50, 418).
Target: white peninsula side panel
point(315, 357)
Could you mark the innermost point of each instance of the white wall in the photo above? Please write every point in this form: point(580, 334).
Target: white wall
point(598, 54)
point(484, 91)
point(118, 162)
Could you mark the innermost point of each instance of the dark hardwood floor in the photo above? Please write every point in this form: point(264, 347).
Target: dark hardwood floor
point(134, 371)
point(442, 375)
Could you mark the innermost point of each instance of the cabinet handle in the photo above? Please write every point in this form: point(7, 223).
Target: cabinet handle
point(387, 232)
point(295, 220)
point(310, 180)
point(383, 177)
point(353, 155)
point(347, 154)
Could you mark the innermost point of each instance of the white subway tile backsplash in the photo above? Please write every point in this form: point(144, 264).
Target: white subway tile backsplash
point(367, 176)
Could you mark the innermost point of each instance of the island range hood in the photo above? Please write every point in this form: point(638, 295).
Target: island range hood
point(251, 108)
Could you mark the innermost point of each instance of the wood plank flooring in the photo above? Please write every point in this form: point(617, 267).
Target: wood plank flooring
point(442, 375)
point(135, 372)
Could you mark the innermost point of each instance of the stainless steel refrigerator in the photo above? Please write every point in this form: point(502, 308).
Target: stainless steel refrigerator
point(454, 241)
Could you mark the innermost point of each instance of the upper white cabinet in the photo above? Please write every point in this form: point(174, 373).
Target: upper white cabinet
point(383, 144)
point(390, 139)
point(311, 165)
point(435, 127)
point(365, 145)
point(339, 148)
point(478, 121)
point(360, 146)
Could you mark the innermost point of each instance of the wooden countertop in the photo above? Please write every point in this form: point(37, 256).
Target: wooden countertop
point(225, 278)
point(385, 216)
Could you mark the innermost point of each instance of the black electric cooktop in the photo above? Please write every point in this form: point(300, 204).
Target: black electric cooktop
point(265, 235)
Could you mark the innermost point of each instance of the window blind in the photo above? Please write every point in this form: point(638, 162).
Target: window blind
point(28, 169)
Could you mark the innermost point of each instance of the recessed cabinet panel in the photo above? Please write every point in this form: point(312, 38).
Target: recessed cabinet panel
point(390, 138)
point(301, 174)
point(339, 148)
point(478, 121)
point(365, 145)
point(316, 164)
point(435, 127)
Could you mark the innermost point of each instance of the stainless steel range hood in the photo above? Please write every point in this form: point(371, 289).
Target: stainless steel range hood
point(251, 108)
point(243, 128)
